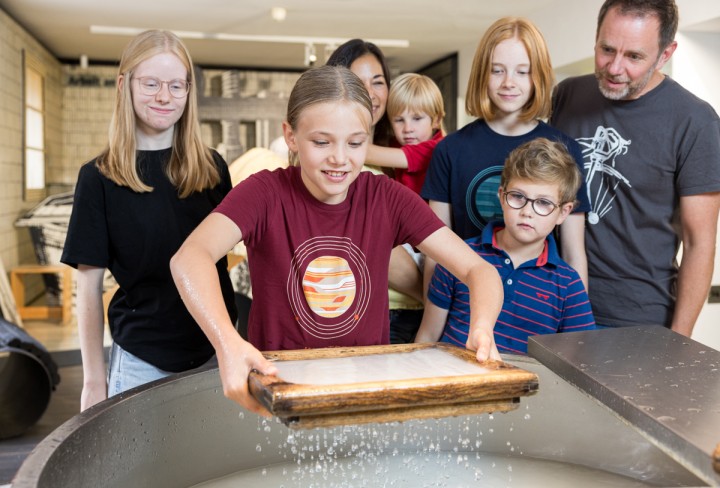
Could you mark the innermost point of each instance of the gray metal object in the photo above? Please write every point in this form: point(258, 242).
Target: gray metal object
point(182, 431)
point(666, 385)
point(28, 376)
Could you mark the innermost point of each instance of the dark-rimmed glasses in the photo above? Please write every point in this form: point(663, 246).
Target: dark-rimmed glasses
point(150, 86)
point(542, 206)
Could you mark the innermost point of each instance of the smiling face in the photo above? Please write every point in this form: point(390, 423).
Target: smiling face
point(369, 70)
point(627, 55)
point(411, 127)
point(510, 85)
point(524, 226)
point(331, 140)
point(156, 115)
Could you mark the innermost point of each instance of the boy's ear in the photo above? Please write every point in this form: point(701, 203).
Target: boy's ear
point(565, 210)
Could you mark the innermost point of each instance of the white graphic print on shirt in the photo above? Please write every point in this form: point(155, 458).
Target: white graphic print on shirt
point(602, 176)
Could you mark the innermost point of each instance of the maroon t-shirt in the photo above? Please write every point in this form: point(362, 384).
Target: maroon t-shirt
point(320, 272)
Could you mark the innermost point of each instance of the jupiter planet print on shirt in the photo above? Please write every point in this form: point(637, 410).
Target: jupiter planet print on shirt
point(329, 286)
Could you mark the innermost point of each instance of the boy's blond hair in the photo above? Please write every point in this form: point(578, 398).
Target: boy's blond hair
point(417, 93)
point(544, 161)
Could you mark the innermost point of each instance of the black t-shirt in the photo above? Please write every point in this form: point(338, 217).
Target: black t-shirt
point(134, 235)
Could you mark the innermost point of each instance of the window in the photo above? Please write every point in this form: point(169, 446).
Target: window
point(34, 131)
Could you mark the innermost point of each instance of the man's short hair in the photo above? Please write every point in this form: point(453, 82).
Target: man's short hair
point(665, 10)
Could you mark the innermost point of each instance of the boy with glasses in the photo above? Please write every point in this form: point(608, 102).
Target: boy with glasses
point(543, 294)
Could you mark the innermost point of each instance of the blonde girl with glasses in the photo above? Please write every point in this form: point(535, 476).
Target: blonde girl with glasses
point(319, 237)
point(134, 205)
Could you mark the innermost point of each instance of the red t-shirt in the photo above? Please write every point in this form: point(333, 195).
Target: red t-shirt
point(418, 157)
point(320, 272)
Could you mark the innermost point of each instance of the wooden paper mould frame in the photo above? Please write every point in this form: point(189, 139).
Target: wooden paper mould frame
point(307, 406)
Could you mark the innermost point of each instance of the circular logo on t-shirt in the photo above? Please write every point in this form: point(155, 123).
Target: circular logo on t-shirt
point(481, 200)
point(328, 286)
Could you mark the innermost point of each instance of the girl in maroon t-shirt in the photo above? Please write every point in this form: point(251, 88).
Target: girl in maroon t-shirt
point(328, 300)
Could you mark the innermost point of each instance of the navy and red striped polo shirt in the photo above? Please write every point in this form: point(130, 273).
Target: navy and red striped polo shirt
point(542, 296)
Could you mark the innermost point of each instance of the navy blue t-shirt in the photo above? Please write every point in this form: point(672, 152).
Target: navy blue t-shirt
point(465, 172)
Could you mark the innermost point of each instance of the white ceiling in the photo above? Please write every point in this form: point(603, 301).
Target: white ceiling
point(434, 28)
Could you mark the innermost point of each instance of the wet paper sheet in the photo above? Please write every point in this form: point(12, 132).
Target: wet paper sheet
point(339, 386)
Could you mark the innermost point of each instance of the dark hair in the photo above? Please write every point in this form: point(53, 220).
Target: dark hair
point(348, 52)
point(345, 55)
point(665, 10)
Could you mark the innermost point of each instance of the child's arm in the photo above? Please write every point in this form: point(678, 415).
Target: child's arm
point(195, 275)
point(572, 243)
point(388, 157)
point(433, 323)
point(444, 212)
point(486, 292)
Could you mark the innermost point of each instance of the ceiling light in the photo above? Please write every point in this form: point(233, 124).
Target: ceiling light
point(278, 14)
point(133, 31)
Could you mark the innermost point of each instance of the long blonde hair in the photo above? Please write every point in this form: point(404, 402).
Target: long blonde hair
point(191, 167)
point(538, 106)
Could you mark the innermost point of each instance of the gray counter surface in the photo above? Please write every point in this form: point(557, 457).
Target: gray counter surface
point(665, 384)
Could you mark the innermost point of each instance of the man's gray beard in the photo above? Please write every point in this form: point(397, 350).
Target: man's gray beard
point(630, 89)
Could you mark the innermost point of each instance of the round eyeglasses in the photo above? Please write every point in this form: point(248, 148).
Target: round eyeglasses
point(542, 206)
point(149, 86)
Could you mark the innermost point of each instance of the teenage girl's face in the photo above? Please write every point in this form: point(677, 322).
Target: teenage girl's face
point(331, 141)
point(156, 115)
point(369, 70)
point(411, 127)
point(510, 85)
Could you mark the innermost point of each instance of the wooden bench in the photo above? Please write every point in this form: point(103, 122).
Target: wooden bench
point(39, 312)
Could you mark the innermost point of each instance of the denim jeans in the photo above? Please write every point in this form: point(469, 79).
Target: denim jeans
point(126, 371)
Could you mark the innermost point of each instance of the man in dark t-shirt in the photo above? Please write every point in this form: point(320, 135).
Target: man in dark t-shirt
point(652, 160)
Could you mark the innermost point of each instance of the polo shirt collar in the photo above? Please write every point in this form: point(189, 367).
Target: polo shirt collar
point(549, 254)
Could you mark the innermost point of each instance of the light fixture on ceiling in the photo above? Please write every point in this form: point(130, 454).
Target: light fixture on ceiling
point(278, 14)
point(310, 55)
point(219, 36)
